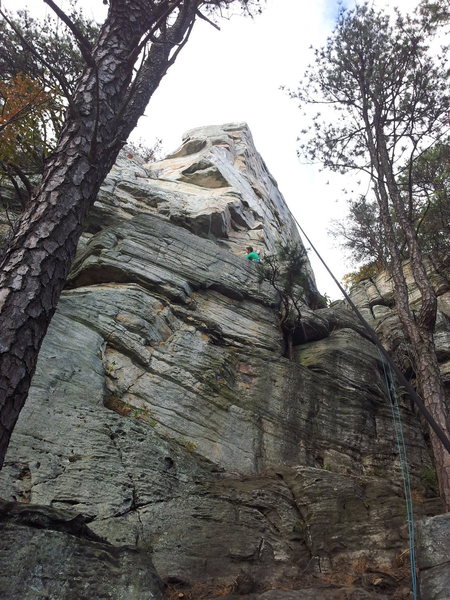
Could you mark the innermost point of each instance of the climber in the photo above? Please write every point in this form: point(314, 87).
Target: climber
point(251, 255)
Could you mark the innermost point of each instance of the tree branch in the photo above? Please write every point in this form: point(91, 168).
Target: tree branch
point(150, 37)
point(55, 74)
point(83, 42)
point(205, 18)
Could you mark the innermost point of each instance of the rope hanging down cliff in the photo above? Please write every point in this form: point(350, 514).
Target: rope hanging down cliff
point(401, 448)
point(376, 340)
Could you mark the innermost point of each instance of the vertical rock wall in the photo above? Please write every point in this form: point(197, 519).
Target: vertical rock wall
point(166, 435)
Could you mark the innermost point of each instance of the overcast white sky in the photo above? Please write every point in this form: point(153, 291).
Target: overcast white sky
point(235, 75)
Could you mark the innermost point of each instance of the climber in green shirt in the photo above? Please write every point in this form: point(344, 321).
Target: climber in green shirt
point(252, 255)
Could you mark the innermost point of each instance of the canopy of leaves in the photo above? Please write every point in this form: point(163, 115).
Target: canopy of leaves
point(40, 64)
point(364, 272)
point(43, 49)
point(435, 12)
point(431, 207)
point(361, 232)
point(387, 101)
point(28, 112)
point(374, 75)
point(284, 268)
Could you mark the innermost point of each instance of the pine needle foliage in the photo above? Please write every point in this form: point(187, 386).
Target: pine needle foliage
point(39, 66)
point(285, 272)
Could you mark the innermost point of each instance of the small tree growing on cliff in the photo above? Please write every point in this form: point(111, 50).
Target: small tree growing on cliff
point(391, 101)
point(122, 68)
point(284, 271)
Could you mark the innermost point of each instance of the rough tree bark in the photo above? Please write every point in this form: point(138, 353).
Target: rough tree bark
point(418, 329)
point(391, 103)
point(103, 111)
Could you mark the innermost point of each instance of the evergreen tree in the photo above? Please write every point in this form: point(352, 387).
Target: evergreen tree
point(361, 233)
point(388, 101)
point(284, 271)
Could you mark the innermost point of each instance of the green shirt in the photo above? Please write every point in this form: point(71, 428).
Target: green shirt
point(253, 256)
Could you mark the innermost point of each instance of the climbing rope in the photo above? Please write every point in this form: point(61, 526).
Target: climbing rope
point(401, 448)
point(396, 417)
point(376, 340)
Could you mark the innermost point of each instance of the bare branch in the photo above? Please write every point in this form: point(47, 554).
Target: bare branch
point(83, 43)
point(205, 18)
point(36, 54)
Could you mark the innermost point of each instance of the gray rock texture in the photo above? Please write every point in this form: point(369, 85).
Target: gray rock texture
point(61, 558)
point(374, 297)
point(434, 557)
point(165, 421)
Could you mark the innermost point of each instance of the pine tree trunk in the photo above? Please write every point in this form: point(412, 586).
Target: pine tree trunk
point(418, 332)
point(420, 337)
point(431, 389)
point(420, 329)
point(105, 108)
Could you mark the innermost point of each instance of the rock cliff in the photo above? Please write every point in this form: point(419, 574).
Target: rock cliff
point(168, 446)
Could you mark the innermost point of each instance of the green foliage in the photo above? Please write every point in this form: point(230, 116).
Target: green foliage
point(27, 112)
point(373, 72)
point(429, 478)
point(39, 66)
point(435, 13)
point(431, 209)
point(364, 272)
point(285, 272)
point(387, 99)
point(43, 48)
point(324, 301)
point(361, 233)
point(284, 269)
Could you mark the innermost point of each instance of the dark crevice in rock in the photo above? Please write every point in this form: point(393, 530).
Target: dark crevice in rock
point(45, 517)
point(100, 275)
point(133, 500)
point(302, 527)
point(386, 302)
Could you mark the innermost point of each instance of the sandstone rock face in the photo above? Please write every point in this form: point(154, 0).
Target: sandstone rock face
point(374, 297)
point(434, 557)
point(166, 421)
point(215, 185)
point(61, 558)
